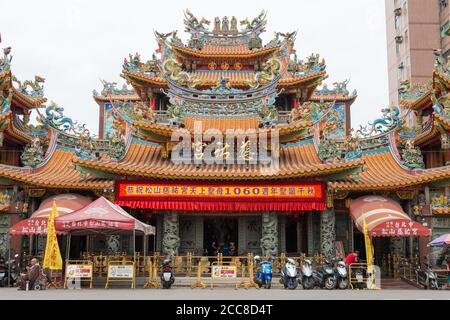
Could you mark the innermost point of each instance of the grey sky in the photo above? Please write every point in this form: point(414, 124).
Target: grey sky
point(75, 43)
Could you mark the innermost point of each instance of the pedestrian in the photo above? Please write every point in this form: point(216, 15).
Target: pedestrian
point(34, 272)
point(352, 258)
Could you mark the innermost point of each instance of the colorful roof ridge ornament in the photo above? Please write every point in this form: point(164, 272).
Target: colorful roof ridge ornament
point(386, 123)
point(37, 87)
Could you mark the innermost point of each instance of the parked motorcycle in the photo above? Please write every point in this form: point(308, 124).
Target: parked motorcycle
point(289, 275)
point(306, 275)
point(167, 277)
point(427, 278)
point(341, 275)
point(324, 276)
point(263, 276)
point(9, 272)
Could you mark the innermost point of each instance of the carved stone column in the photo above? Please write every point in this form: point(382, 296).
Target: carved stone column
point(327, 233)
point(282, 233)
point(171, 237)
point(269, 239)
point(4, 239)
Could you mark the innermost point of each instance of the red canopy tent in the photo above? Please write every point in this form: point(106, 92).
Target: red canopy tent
point(37, 223)
point(101, 217)
point(384, 218)
point(105, 218)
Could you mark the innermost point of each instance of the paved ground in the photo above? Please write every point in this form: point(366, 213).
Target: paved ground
point(180, 293)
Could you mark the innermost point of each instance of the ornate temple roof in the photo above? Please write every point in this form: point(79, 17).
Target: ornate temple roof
point(146, 160)
point(235, 52)
point(57, 172)
point(383, 172)
point(238, 93)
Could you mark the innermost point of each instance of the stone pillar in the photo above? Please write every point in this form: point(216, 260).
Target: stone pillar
point(327, 233)
point(4, 239)
point(269, 239)
point(170, 238)
point(159, 232)
point(282, 232)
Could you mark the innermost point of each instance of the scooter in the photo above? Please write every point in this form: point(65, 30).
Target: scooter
point(264, 274)
point(167, 277)
point(306, 276)
point(427, 278)
point(289, 275)
point(9, 272)
point(341, 275)
point(324, 276)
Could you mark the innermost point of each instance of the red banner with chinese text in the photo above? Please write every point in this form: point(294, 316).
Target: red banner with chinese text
point(221, 196)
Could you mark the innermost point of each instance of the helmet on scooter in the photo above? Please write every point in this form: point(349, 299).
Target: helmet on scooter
point(291, 261)
point(167, 261)
point(257, 259)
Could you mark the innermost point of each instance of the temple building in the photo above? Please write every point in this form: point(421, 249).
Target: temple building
point(225, 139)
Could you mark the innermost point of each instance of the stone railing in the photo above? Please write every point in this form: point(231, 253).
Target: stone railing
point(397, 266)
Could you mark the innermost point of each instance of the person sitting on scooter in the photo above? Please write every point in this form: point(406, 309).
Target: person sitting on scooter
point(33, 274)
point(352, 258)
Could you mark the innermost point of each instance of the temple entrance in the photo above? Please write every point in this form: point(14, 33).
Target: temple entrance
point(291, 236)
point(222, 233)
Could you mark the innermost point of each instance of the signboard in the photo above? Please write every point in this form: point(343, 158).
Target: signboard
point(131, 190)
point(120, 271)
point(78, 271)
point(400, 229)
point(224, 272)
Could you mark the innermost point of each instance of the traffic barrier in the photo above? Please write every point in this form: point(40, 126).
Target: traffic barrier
point(369, 276)
point(120, 271)
point(78, 270)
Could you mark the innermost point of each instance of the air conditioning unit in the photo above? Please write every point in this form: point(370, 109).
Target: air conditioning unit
point(399, 39)
point(398, 12)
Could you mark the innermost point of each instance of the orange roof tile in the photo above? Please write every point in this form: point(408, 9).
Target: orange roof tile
point(223, 124)
point(441, 210)
point(165, 131)
point(382, 172)
point(237, 79)
point(27, 101)
point(239, 51)
point(441, 119)
point(120, 97)
point(146, 161)
point(332, 97)
point(57, 172)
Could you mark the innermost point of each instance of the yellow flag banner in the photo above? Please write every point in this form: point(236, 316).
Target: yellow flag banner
point(369, 258)
point(52, 257)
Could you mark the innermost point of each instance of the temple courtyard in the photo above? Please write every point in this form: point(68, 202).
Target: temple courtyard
point(180, 293)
